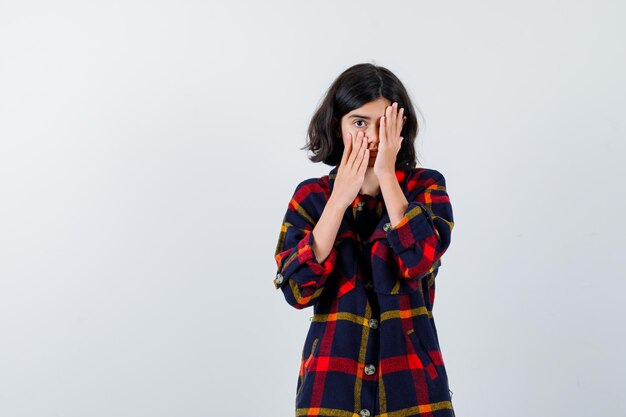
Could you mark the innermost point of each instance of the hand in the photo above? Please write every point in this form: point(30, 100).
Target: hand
point(389, 140)
point(351, 171)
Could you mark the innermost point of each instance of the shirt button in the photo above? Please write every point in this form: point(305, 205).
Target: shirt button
point(279, 278)
point(369, 285)
point(373, 323)
point(386, 226)
point(359, 206)
point(370, 369)
point(364, 413)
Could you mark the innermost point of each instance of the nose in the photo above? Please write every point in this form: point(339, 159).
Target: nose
point(372, 139)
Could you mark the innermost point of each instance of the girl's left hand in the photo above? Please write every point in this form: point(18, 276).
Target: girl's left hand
point(389, 140)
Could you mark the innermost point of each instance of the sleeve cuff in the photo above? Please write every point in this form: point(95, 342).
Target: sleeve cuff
point(319, 268)
point(416, 224)
point(303, 267)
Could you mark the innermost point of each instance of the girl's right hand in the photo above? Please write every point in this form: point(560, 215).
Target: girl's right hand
point(351, 171)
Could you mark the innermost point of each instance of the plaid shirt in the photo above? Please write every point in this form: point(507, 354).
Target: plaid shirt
point(372, 347)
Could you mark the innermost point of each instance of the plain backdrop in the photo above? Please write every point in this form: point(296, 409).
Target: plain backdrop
point(148, 151)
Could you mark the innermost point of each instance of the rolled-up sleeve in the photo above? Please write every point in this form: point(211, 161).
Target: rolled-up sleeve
point(299, 274)
point(423, 234)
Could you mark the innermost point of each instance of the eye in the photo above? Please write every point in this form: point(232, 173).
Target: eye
point(357, 121)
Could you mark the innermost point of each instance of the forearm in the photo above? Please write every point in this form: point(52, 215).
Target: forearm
point(420, 233)
point(325, 231)
point(395, 201)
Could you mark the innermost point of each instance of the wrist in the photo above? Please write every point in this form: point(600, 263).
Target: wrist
point(385, 170)
point(387, 176)
point(333, 204)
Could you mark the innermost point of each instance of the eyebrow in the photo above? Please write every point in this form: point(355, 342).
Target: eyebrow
point(359, 116)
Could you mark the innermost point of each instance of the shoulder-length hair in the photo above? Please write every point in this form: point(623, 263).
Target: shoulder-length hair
point(353, 88)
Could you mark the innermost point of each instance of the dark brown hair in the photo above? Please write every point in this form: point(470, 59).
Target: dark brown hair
point(353, 88)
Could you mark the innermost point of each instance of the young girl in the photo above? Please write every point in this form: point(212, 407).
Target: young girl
point(363, 246)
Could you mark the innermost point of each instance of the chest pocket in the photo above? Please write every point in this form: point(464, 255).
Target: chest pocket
point(382, 263)
point(385, 272)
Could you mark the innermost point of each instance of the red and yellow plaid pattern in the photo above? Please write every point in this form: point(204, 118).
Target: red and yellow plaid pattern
point(364, 359)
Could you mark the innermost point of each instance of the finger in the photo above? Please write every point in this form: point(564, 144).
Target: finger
point(391, 126)
point(364, 163)
point(355, 149)
point(349, 159)
point(393, 120)
point(381, 130)
point(400, 120)
point(361, 150)
point(361, 154)
point(346, 150)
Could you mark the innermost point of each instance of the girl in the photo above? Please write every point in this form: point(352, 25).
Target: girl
point(363, 246)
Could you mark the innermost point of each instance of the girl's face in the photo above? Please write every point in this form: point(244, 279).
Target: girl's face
point(367, 119)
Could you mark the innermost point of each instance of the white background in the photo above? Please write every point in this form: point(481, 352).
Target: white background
point(148, 150)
